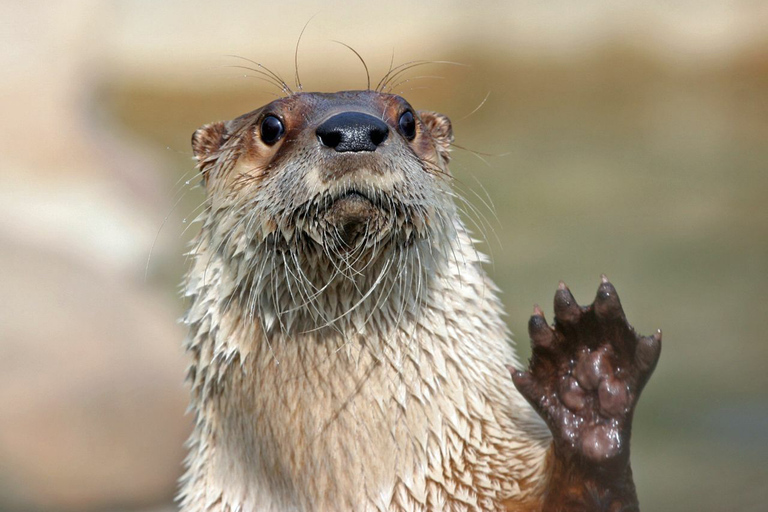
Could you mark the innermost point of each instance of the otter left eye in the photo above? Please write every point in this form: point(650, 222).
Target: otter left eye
point(407, 125)
point(271, 130)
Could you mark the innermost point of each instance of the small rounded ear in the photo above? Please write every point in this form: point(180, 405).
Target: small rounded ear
point(440, 130)
point(207, 140)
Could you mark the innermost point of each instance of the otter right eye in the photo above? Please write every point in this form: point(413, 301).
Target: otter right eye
point(272, 130)
point(407, 125)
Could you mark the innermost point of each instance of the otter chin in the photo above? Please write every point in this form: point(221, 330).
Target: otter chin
point(353, 216)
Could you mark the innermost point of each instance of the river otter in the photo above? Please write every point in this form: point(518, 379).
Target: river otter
point(347, 347)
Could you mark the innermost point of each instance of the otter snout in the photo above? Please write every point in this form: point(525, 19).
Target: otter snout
point(353, 131)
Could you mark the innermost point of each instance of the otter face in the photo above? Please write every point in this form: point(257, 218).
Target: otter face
point(345, 171)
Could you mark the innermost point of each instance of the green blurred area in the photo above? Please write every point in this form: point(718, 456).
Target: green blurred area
point(615, 161)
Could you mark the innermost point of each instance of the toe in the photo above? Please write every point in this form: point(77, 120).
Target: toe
point(527, 386)
point(567, 311)
point(607, 303)
point(542, 335)
point(647, 353)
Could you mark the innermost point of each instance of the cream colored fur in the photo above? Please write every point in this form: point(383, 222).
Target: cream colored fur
point(404, 404)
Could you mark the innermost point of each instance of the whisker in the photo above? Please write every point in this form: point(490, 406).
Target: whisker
point(367, 74)
point(299, 87)
point(488, 95)
point(283, 85)
point(266, 76)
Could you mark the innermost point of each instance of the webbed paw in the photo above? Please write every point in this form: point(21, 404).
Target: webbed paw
point(586, 374)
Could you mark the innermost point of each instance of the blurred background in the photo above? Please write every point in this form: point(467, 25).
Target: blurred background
point(629, 138)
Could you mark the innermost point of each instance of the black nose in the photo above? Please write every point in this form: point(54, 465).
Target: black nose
point(353, 131)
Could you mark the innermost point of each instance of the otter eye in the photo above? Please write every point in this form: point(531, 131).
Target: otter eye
point(407, 125)
point(271, 130)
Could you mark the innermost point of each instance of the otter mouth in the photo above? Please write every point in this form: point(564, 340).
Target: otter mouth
point(349, 221)
point(352, 216)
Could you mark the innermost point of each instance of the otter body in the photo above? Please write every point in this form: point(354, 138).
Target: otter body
point(347, 347)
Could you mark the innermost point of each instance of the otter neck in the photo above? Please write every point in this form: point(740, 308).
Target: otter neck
point(297, 390)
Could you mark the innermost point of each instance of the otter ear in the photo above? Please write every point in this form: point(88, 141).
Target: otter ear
point(441, 131)
point(207, 140)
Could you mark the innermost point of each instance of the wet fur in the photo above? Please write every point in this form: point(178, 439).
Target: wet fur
point(347, 370)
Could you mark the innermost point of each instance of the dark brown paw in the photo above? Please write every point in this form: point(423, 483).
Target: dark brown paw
point(586, 374)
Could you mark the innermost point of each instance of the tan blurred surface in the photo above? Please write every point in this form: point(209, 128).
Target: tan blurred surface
point(631, 139)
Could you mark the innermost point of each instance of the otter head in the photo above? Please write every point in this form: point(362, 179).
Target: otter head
point(328, 183)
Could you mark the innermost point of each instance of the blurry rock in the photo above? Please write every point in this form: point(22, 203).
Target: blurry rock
point(91, 370)
point(91, 396)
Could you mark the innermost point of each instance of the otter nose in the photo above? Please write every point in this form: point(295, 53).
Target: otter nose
point(353, 131)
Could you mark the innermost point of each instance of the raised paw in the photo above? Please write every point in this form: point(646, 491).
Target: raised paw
point(586, 374)
point(584, 379)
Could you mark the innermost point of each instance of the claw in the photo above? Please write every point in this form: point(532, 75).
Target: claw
point(567, 311)
point(607, 303)
point(541, 334)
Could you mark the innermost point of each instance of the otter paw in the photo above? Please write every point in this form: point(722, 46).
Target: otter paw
point(586, 374)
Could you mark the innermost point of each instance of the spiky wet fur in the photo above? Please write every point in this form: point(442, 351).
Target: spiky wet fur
point(326, 376)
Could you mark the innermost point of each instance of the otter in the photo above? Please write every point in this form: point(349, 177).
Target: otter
point(347, 347)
